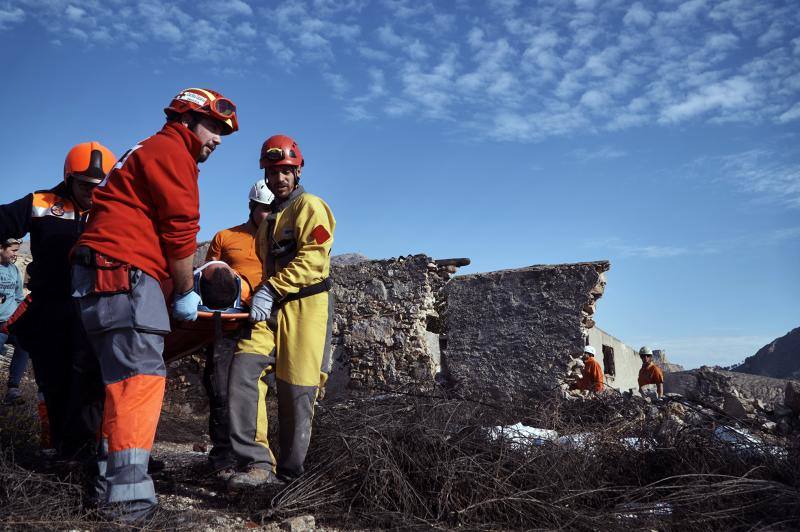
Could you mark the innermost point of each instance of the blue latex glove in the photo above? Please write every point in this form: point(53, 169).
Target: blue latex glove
point(184, 308)
point(261, 305)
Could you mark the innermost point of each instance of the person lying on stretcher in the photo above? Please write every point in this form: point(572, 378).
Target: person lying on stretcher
point(221, 289)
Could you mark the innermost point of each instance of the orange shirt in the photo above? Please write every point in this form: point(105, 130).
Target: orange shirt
point(237, 247)
point(592, 376)
point(650, 375)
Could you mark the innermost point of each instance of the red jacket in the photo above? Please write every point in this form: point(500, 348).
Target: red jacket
point(147, 210)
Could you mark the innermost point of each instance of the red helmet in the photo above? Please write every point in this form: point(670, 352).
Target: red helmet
point(207, 102)
point(89, 161)
point(279, 150)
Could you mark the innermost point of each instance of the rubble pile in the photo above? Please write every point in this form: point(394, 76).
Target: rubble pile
point(717, 392)
point(398, 461)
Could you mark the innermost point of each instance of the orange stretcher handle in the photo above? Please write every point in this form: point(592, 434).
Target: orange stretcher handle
point(231, 316)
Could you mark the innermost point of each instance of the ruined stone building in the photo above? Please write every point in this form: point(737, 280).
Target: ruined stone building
point(620, 362)
point(401, 323)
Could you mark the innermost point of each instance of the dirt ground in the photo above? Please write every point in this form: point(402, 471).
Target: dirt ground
point(191, 497)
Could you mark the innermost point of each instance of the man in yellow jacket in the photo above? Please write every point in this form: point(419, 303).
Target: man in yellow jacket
point(292, 316)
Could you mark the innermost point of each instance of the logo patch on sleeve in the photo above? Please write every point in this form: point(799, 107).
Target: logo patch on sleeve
point(320, 234)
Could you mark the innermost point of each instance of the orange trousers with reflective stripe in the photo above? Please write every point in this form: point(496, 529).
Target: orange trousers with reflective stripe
point(132, 409)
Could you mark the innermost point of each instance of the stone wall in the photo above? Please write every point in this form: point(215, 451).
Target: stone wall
point(385, 333)
point(512, 333)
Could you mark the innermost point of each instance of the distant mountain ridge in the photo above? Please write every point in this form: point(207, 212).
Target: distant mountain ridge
point(779, 359)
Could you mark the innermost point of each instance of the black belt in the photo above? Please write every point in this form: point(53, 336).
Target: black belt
point(312, 290)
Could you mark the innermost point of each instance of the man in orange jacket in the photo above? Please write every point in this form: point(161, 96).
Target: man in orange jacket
point(143, 232)
point(592, 377)
point(649, 373)
point(235, 246)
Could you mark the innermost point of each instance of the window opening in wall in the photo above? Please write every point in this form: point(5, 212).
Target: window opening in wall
point(608, 360)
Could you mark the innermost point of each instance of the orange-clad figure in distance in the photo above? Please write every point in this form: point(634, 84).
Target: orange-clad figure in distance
point(592, 377)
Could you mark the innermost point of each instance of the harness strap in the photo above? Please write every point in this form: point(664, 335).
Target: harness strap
point(317, 288)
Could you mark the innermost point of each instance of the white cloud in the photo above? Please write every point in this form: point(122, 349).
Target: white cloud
point(765, 174)
point(772, 36)
point(374, 54)
point(337, 82)
point(790, 115)
point(10, 15)
point(357, 113)
point(638, 15)
point(602, 153)
point(246, 30)
point(732, 93)
point(722, 41)
point(237, 6)
point(594, 99)
point(74, 13)
point(78, 34)
point(514, 70)
point(388, 37)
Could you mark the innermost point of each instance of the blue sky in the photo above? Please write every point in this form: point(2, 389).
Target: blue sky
point(660, 135)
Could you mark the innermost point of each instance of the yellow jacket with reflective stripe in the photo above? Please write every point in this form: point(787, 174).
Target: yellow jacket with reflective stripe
point(308, 221)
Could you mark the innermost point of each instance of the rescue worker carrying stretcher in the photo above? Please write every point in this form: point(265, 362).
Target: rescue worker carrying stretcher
point(294, 245)
point(142, 233)
point(47, 324)
point(235, 246)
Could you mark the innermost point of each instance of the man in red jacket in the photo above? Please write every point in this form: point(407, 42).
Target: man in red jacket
point(143, 232)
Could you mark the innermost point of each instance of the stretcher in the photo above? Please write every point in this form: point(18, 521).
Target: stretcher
point(188, 337)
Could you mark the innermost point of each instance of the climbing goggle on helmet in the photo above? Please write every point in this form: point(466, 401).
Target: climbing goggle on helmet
point(275, 154)
point(221, 108)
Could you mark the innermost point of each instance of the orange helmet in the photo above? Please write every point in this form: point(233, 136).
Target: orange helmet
point(207, 102)
point(88, 161)
point(279, 150)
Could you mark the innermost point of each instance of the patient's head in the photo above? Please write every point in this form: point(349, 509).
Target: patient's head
point(218, 286)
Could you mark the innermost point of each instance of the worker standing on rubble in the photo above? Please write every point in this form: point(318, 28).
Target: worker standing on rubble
point(143, 233)
point(294, 245)
point(649, 373)
point(592, 374)
point(49, 328)
point(235, 246)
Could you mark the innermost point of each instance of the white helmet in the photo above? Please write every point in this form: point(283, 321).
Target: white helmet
point(260, 193)
point(645, 351)
point(590, 350)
